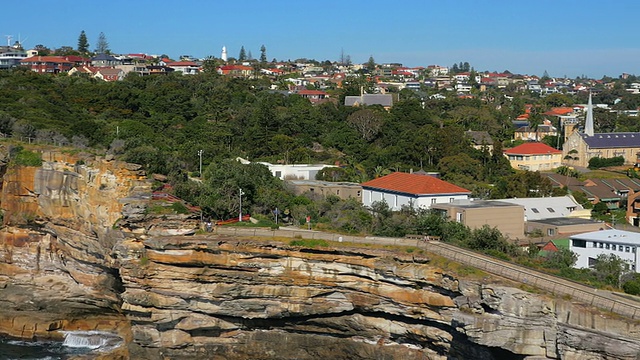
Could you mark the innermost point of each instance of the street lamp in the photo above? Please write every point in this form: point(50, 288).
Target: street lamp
point(240, 216)
point(200, 152)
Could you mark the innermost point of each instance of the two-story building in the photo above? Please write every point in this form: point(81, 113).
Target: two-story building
point(47, 64)
point(588, 246)
point(534, 156)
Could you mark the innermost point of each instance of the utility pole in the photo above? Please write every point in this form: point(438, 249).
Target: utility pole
point(240, 215)
point(200, 152)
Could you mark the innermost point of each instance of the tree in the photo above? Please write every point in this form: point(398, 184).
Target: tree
point(367, 122)
point(263, 54)
point(83, 43)
point(243, 54)
point(371, 64)
point(102, 46)
point(609, 268)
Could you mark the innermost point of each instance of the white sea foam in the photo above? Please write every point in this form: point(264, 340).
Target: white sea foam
point(93, 340)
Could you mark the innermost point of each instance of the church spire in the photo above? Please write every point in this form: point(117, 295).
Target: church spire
point(588, 124)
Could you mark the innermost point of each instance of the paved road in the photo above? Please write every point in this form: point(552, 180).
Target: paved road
point(602, 299)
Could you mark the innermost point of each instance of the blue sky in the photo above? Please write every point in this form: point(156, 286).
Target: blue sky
point(571, 37)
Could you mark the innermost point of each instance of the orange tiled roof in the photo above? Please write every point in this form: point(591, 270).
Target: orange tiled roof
point(559, 111)
point(414, 184)
point(532, 148)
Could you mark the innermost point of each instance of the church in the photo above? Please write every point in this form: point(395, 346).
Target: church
point(580, 146)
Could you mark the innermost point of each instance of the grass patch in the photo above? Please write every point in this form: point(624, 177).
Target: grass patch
point(28, 158)
point(310, 243)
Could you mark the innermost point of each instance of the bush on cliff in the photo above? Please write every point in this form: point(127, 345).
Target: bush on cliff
point(27, 158)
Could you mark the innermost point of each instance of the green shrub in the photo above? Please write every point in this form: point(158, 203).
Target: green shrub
point(28, 158)
point(179, 208)
point(598, 162)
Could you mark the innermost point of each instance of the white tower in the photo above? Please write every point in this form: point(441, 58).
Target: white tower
point(224, 54)
point(588, 123)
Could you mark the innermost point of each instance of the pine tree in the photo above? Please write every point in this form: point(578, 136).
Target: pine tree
point(243, 54)
point(263, 54)
point(83, 43)
point(371, 64)
point(103, 46)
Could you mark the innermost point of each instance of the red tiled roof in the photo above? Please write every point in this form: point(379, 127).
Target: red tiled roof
point(532, 148)
point(414, 184)
point(54, 59)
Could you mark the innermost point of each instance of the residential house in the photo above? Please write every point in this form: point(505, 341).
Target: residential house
point(185, 67)
point(588, 246)
point(236, 70)
point(480, 140)
point(295, 171)
point(315, 96)
point(343, 190)
point(528, 133)
point(109, 74)
point(385, 100)
point(104, 60)
point(10, 57)
point(400, 189)
point(504, 216)
point(47, 64)
point(534, 156)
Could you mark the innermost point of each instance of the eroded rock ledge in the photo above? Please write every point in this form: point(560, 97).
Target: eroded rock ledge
point(218, 296)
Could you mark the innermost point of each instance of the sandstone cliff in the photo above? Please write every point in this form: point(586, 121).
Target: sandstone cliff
point(80, 251)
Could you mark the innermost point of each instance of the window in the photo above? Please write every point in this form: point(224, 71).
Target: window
point(579, 243)
point(450, 200)
point(613, 247)
point(279, 174)
point(359, 193)
point(535, 211)
point(433, 201)
point(595, 244)
point(592, 262)
point(606, 246)
point(600, 245)
point(551, 232)
point(621, 248)
point(459, 217)
point(626, 249)
point(551, 210)
point(337, 192)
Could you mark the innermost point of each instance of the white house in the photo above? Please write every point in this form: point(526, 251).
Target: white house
point(589, 245)
point(415, 190)
point(295, 171)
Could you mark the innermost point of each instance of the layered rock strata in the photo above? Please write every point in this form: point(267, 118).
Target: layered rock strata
point(80, 250)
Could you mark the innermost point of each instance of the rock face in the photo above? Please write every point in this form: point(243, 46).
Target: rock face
point(80, 250)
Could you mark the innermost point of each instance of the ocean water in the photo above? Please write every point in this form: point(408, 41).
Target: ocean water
point(11, 349)
point(75, 343)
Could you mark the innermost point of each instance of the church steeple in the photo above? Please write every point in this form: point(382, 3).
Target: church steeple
point(588, 123)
